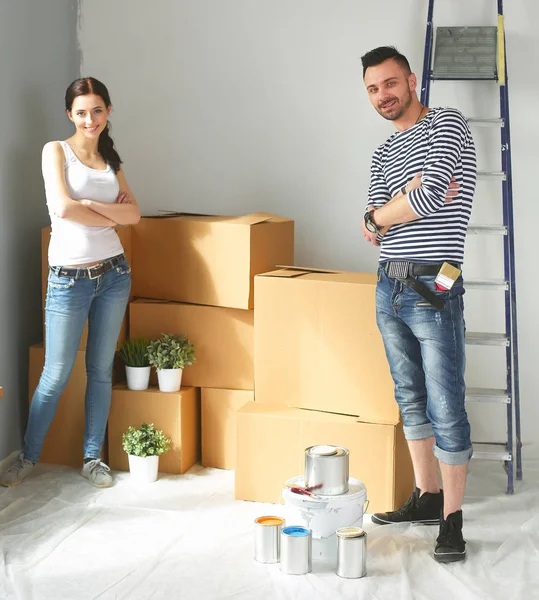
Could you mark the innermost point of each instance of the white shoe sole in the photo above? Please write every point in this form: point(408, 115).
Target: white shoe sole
point(105, 485)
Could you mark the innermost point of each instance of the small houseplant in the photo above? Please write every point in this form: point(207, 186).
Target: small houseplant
point(144, 446)
point(170, 354)
point(134, 354)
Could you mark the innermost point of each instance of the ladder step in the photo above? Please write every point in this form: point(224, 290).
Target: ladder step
point(491, 452)
point(491, 175)
point(465, 53)
point(497, 122)
point(486, 284)
point(487, 230)
point(487, 395)
point(487, 339)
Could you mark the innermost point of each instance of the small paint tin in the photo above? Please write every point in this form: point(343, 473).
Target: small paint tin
point(268, 538)
point(351, 553)
point(296, 550)
point(327, 470)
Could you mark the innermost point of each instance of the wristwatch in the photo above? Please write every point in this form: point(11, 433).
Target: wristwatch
point(369, 222)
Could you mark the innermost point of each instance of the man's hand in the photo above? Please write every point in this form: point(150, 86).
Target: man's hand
point(452, 191)
point(369, 236)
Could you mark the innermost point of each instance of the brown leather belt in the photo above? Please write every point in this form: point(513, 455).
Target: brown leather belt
point(89, 272)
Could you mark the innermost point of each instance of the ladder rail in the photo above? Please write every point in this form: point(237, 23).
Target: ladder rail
point(512, 373)
point(427, 59)
point(509, 240)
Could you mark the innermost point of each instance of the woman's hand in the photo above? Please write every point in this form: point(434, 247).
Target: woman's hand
point(124, 198)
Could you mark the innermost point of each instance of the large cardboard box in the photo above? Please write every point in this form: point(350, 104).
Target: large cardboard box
point(176, 413)
point(208, 259)
point(64, 442)
point(271, 449)
point(124, 233)
point(219, 408)
point(223, 339)
point(317, 344)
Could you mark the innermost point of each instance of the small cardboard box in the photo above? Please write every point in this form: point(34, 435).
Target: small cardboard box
point(219, 409)
point(317, 345)
point(124, 233)
point(271, 449)
point(176, 413)
point(65, 438)
point(205, 259)
point(223, 339)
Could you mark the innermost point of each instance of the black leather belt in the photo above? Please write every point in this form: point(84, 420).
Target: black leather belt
point(406, 272)
point(89, 272)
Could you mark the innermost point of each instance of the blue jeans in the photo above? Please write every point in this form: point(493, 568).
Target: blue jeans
point(70, 301)
point(426, 354)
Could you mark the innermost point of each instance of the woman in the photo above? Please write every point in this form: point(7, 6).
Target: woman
point(89, 278)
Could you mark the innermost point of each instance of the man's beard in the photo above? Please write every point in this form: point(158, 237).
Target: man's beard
point(399, 109)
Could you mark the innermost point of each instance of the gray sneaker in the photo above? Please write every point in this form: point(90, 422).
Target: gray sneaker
point(18, 472)
point(97, 473)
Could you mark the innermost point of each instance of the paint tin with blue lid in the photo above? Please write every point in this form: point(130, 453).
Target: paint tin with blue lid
point(296, 550)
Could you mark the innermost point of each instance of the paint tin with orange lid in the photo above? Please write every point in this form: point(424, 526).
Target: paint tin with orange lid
point(268, 538)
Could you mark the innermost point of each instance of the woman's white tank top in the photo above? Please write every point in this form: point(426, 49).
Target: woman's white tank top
point(75, 244)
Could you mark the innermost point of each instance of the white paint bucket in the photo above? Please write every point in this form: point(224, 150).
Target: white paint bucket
point(325, 514)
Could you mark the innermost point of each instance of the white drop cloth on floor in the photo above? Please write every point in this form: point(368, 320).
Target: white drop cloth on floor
point(185, 537)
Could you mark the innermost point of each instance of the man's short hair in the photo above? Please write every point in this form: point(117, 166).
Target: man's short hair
point(379, 55)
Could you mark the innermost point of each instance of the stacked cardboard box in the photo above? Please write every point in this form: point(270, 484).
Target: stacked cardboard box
point(194, 275)
point(318, 351)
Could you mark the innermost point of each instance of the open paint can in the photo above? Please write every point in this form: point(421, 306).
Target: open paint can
point(268, 539)
point(296, 550)
point(351, 552)
point(327, 470)
point(324, 515)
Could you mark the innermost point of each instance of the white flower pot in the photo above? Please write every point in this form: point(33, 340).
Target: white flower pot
point(143, 470)
point(170, 380)
point(138, 378)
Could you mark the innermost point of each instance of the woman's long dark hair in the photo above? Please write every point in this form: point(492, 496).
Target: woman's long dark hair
point(105, 146)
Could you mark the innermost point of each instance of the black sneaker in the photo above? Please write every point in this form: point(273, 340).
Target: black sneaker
point(418, 508)
point(450, 545)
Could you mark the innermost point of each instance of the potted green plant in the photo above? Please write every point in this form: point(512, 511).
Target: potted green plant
point(170, 354)
point(144, 446)
point(134, 354)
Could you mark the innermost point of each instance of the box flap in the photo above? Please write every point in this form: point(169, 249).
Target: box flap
point(284, 273)
point(252, 219)
point(307, 269)
point(168, 214)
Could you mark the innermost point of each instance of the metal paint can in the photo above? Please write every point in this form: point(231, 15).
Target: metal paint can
point(268, 538)
point(327, 467)
point(296, 550)
point(351, 552)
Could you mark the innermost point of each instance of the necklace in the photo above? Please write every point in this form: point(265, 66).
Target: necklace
point(420, 113)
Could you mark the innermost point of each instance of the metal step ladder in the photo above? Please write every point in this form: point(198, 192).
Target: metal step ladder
point(478, 53)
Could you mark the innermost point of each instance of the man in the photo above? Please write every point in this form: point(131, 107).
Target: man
point(420, 199)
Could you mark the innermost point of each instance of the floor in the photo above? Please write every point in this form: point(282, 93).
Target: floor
point(184, 537)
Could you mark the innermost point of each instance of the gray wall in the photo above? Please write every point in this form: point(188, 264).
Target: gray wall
point(242, 106)
point(251, 105)
point(39, 57)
